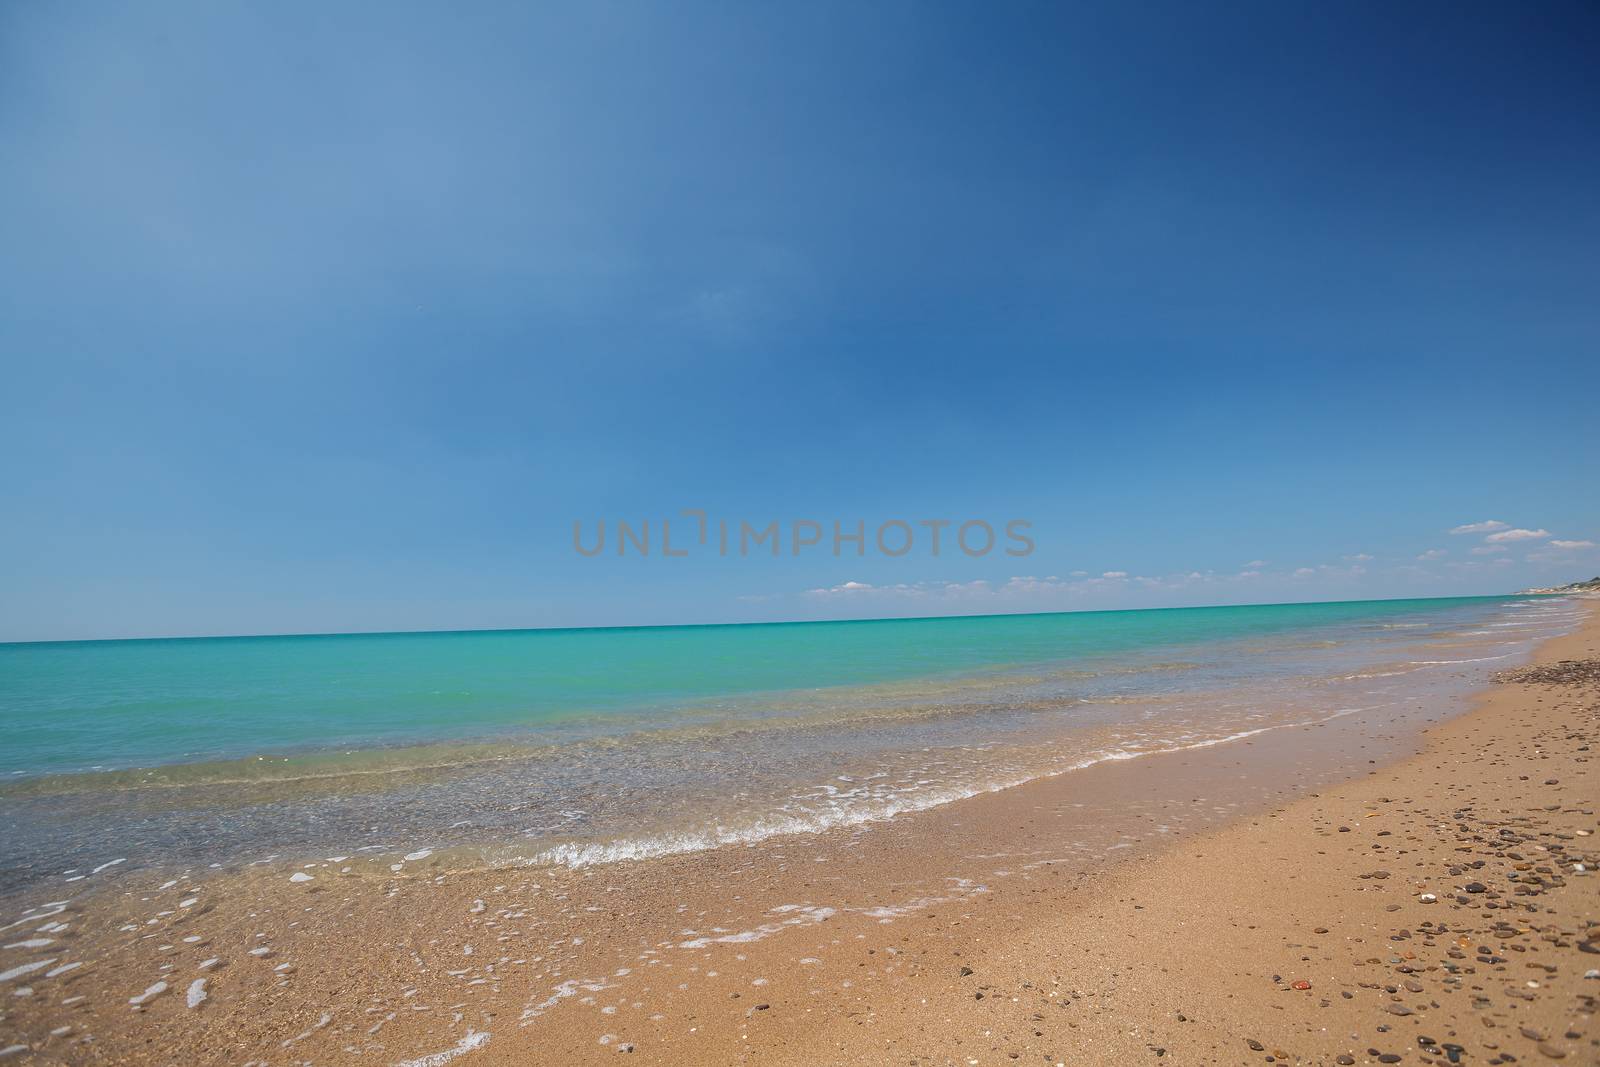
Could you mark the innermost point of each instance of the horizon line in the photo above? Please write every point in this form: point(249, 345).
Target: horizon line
point(708, 625)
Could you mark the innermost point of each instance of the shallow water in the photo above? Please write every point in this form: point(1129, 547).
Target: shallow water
point(577, 747)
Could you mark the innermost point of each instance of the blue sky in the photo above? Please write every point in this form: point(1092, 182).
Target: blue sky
point(320, 319)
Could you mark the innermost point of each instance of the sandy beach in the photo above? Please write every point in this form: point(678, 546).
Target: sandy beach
point(1355, 891)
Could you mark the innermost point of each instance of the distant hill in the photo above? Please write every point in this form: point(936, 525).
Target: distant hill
point(1590, 586)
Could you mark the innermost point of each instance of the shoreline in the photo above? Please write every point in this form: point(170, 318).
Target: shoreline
point(780, 951)
point(1308, 939)
point(802, 760)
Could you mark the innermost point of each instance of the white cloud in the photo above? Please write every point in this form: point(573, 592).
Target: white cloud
point(1572, 544)
point(1027, 590)
point(1434, 553)
point(1517, 535)
point(1486, 526)
point(1359, 557)
point(853, 588)
point(977, 585)
point(1255, 564)
point(1487, 550)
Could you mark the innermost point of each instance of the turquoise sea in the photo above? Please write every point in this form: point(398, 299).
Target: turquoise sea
point(580, 746)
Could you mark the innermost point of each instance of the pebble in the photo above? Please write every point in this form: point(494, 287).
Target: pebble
point(149, 994)
point(26, 968)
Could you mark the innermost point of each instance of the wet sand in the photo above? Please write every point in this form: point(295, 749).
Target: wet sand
point(1272, 891)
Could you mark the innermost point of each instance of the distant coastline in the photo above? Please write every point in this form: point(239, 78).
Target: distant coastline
point(1591, 585)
